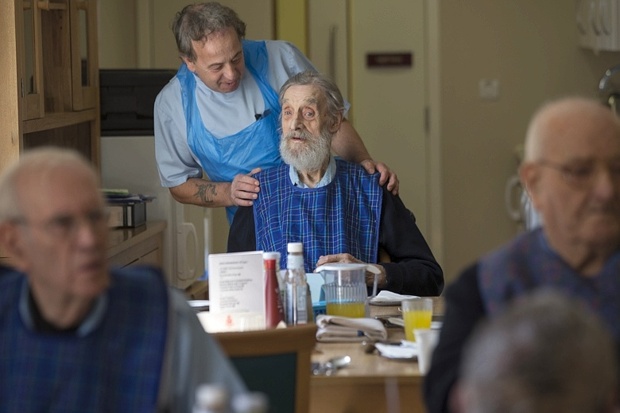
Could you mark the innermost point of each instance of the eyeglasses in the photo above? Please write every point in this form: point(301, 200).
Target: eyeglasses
point(583, 175)
point(67, 226)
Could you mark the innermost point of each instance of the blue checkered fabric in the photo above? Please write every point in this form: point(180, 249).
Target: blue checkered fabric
point(341, 217)
point(114, 368)
point(528, 263)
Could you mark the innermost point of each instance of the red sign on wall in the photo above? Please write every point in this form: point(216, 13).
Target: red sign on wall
point(389, 59)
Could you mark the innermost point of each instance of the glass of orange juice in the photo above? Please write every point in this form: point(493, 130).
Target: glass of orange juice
point(417, 313)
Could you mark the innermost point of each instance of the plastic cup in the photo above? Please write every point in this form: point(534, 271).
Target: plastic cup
point(426, 339)
point(417, 314)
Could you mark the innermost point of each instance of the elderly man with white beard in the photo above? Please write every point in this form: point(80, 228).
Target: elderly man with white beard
point(338, 211)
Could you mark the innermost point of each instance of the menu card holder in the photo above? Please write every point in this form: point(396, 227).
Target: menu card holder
point(236, 283)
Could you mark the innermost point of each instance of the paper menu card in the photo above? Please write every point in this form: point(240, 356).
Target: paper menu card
point(236, 282)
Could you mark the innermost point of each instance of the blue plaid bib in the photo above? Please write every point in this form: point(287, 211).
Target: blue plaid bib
point(341, 217)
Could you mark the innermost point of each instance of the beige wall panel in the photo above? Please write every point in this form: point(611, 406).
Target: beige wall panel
point(388, 103)
point(531, 47)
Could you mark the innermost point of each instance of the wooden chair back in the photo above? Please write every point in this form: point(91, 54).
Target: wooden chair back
point(276, 362)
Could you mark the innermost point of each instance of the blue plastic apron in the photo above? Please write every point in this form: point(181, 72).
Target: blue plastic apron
point(255, 146)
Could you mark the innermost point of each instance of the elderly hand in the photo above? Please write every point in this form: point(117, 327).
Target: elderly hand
point(387, 175)
point(244, 189)
point(348, 258)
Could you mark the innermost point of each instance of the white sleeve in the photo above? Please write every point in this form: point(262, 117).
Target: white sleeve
point(175, 161)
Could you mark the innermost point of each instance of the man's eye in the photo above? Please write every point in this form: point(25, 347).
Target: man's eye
point(309, 114)
point(97, 217)
point(64, 224)
point(614, 170)
point(579, 171)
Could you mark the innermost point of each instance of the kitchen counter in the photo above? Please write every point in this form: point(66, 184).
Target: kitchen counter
point(141, 245)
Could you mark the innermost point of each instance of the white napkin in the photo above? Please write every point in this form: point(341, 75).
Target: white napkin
point(406, 350)
point(389, 298)
point(333, 329)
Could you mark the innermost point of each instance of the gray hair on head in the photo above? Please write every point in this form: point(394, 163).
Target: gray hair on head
point(333, 97)
point(197, 21)
point(546, 353)
point(40, 160)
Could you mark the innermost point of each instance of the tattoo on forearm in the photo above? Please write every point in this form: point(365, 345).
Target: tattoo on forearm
point(206, 193)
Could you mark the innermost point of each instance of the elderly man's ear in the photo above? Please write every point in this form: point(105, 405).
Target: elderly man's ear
point(529, 174)
point(337, 121)
point(10, 244)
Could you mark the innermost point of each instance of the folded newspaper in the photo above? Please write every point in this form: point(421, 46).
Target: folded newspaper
point(344, 329)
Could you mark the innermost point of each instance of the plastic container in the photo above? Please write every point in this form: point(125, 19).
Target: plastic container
point(298, 304)
point(274, 312)
point(345, 289)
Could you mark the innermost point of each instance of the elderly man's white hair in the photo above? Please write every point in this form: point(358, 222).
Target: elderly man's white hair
point(545, 354)
point(39, 160)
point(555, 117)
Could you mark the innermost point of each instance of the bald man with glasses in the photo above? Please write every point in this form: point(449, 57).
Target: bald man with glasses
point(571, 170)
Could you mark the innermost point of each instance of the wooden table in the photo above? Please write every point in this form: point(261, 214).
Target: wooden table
point(371, 383)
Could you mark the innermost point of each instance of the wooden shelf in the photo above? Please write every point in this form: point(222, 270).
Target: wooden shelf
point(59, 120)
point(48, 5)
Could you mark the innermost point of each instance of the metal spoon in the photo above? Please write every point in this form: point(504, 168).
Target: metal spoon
point(331, 366)
point(339, 362)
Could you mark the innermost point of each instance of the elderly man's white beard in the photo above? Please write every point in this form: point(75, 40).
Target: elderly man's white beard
point(310, 157)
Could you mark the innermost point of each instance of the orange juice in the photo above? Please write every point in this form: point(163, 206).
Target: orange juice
point(416, 319)
point(351, 309)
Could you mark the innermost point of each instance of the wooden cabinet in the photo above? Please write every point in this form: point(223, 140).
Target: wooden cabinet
point(50, 84)
point(141, 245)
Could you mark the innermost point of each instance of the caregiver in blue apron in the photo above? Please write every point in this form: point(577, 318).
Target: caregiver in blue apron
point(219, 115)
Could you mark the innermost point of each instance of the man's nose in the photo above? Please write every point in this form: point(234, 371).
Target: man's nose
point(229, 71)
point(295, 122)
point(88, 231)
point(605, 183)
